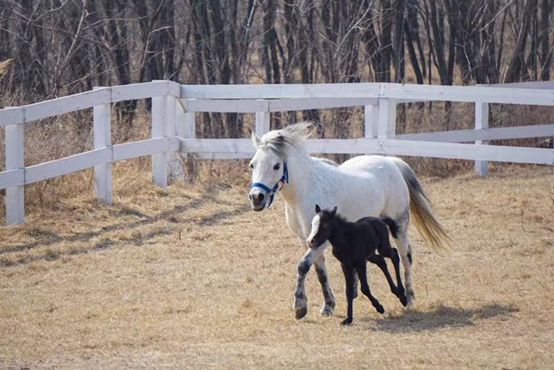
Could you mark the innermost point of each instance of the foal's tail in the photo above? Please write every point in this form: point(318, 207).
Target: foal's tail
point(393, 226)
point(422, 211)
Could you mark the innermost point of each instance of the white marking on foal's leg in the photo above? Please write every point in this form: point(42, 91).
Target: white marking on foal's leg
point(321, 270)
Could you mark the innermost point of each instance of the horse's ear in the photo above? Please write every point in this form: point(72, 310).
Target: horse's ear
point(317, 209)
point(333, 211)
point(255, 139)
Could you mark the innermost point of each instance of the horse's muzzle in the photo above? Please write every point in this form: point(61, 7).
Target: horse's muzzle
point(257, 199)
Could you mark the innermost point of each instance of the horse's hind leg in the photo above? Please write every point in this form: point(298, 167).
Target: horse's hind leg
point(405, 255)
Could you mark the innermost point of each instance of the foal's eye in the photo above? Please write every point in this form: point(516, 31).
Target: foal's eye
point(277, 166)
point(251, 166)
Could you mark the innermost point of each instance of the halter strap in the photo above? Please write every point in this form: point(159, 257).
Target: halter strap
point(272, 191)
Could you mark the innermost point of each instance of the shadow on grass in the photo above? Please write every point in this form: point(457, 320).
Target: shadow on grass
point(45, 238)
point(441, 317)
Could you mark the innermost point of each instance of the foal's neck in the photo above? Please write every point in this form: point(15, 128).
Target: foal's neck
point(339, 229)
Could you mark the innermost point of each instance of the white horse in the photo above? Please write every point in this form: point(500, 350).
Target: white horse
point(362, 186)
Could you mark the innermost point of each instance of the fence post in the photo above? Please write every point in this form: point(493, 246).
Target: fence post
point(15, 159)
point(387, 119)
point(170, 132)
point(481, 122)
point(262, 123)
point(102, 139)
point(159, 129)
point(186, 122)
point(371, 119)
point(185, 128)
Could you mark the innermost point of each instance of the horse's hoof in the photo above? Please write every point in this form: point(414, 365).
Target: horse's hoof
point(327, 309)
point(410, 296)
point(346, 321)
point(300, 312)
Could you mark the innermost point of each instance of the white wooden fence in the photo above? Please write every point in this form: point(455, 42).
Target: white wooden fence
point(173, 127)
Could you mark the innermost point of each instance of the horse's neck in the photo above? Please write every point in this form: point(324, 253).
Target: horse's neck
point(302, 170)
point(308, 176)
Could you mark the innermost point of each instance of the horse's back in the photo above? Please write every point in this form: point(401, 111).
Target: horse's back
point(369, 163)
point(382, 173)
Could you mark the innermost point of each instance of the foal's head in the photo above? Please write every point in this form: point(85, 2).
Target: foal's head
point(321, 226)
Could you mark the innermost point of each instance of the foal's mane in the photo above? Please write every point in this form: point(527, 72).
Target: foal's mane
point(292, 136)
point(338, 218)
point(341, 220)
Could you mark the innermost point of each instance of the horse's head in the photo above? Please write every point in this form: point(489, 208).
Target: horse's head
point(269, 171)
point(321, 226)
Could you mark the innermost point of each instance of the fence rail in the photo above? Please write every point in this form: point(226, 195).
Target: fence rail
point(174, 108)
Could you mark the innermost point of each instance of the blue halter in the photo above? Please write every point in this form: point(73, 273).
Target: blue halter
point(271, 192)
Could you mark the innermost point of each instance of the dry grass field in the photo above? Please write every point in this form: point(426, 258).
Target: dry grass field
point(192, 278)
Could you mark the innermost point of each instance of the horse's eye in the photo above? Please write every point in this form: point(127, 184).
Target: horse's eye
point(251, 166)
point(277, 166)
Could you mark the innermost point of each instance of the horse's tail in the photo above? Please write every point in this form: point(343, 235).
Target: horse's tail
point(393, 226)
point(421, 208)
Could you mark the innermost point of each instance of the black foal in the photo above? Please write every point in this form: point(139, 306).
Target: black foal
point(355, 243)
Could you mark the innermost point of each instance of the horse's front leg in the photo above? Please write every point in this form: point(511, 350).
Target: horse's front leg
point(329, 299)
point(300, 299)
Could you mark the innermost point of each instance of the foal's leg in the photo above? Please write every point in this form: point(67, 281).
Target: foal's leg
point(349, 277)
point(361, 269)
point(355, 280)
point(321, 270)
point(380, 262)
point(398, 289)
point(405, 254)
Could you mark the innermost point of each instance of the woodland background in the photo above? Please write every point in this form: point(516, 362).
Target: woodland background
point(51, 48)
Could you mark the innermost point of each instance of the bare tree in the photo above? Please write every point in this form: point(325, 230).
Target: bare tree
point(66, 46)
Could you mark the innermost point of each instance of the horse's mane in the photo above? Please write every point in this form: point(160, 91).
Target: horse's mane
point(292, 136)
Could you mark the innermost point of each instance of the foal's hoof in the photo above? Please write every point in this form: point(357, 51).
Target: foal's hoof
point(300, 312)
point(404, 300)
point(346, 321)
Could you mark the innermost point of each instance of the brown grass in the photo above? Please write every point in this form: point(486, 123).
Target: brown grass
point(192, 278)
